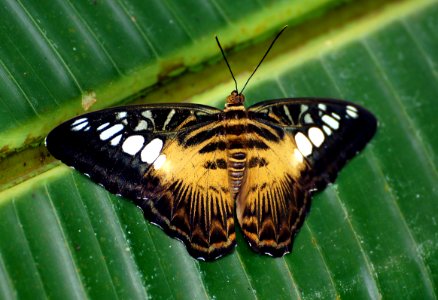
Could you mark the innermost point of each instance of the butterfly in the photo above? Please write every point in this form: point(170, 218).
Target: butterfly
point(192, 168)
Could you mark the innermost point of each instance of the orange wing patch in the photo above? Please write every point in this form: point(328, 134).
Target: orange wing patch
point(272, 205)
point(193, 201)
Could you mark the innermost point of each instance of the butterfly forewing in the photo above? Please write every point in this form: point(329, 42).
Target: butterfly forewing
point(327, 132)
point(151, 154)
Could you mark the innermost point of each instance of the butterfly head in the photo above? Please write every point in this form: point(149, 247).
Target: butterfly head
point(235, 99)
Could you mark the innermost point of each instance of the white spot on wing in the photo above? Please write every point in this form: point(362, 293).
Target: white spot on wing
point(327, 129)
point(352, 114)
point(308, 119)
point(142, 125)
point(115, 141)
point(80, 126)
point(330, 121)
point(150, 153)
point(303, 144)
point(121, 115)
point(287, 113)
point(169, 117)
point(103, 126)
point(352, 111)
point(322, 106)
point(336, 116)
point(133, 144)
point(298, 156)
point(148, 115)
point(316, 136)
point(106, 134)
point(79, 121)
point(352, 108)
point(159, 162)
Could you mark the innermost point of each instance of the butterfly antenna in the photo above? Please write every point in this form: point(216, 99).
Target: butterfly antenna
point(267, 51)
point(226, 61)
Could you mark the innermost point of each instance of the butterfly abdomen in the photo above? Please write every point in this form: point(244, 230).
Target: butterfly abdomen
point(235, 130)
point(236, 169)
point(243, 134)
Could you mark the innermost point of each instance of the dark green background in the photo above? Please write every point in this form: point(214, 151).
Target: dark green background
point(372, 234)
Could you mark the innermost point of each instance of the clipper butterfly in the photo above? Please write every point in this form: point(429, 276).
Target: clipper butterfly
point(192, 168)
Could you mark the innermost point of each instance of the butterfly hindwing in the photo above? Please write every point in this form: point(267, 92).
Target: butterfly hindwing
point(150, 154)
point(195, 203)
point(271, 204)
point(315, 138)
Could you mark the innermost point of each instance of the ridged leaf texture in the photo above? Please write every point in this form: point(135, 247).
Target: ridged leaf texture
point(370, 235)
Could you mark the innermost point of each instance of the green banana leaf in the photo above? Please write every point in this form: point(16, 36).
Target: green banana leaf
point(372, 234)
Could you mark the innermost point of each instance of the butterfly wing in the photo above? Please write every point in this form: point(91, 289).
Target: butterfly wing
point(271, 203)
point(153, 155)
point(309, 141)
point(327, 132)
